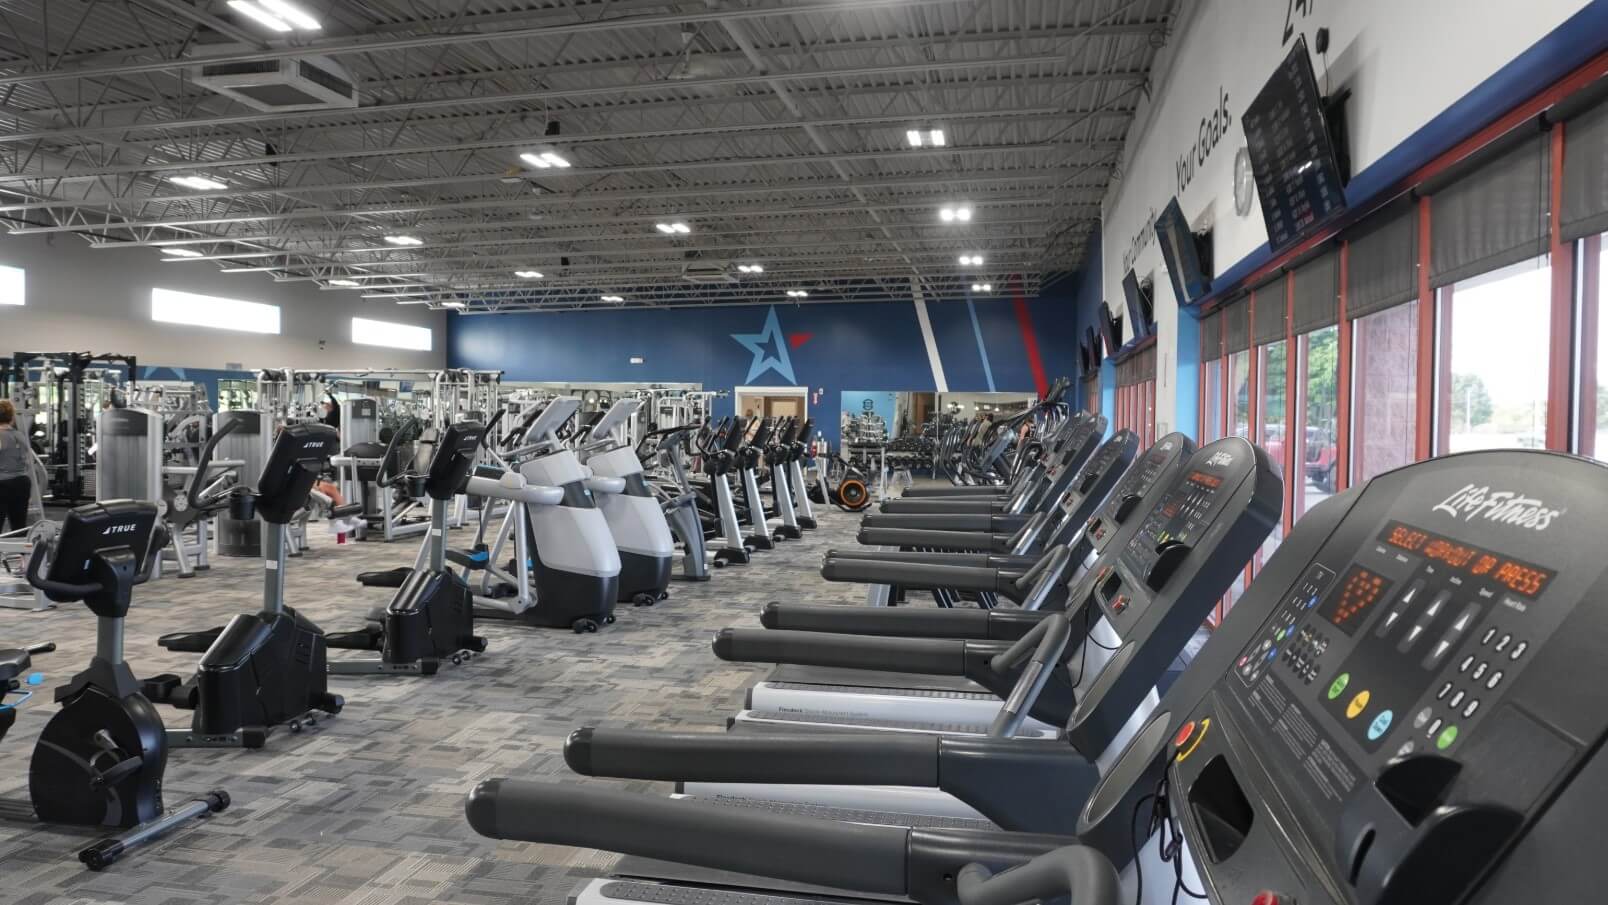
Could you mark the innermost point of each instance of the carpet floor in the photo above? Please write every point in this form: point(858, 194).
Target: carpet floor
point(367, 807)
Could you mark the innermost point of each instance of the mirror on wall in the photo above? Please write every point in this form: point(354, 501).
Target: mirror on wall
point(888, 425)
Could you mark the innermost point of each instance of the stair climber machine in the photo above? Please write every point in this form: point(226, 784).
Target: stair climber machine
point(763, 534)
point(566, 569)
point(1142, 486)
point(100, 760)
point(678, 499)
point(1310, 754)
point(720, 460)
point(1134, 613)
point(775, 458)
point(431, 616)
point(266, 669)
point(634, 515)
point(797, 451)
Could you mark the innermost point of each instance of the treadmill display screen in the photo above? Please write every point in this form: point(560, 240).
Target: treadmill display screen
point(1518, 577)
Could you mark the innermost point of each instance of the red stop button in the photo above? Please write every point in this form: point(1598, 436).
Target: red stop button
point(1184, 733)
point(1265, 897)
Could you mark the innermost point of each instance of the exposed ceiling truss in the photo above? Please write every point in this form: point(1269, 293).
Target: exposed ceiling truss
point(776, 130)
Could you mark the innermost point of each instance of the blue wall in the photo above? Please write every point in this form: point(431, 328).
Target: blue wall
point(829, 347)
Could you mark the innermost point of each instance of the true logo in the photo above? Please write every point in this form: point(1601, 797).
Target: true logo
point(119, 529)
point(1505, 507)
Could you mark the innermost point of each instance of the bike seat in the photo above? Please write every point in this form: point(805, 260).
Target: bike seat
point(346, 510)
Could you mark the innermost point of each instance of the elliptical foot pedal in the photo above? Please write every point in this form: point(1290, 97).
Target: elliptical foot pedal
point(190, 642)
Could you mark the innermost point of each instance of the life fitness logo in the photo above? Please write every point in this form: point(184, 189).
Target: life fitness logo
point(1220, 458)
point(1502, 506)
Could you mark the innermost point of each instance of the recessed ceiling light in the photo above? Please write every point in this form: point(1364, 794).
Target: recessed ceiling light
point(181, 252)
point(404, 240)
point(528, 274)
point(200, 183)
point(252, 11)
point(291, 13)
point(344, 283)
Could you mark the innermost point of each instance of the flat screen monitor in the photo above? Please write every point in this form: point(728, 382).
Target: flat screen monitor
point(1141, 308)
point(1292, 153)
point(1181, 251)
point(1110, 331)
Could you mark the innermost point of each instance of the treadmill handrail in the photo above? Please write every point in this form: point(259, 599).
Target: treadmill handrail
point(825, 758)
point(1083, 874)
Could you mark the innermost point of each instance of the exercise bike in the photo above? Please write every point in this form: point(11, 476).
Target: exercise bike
point(100, 759)
point(265, 669)
point(842, 484)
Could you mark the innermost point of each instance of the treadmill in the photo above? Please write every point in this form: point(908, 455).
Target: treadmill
point(1497, 814)
point(1044, 480)
point(1135, 611)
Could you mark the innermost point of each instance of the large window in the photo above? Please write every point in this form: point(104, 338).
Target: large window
point(1495, 335)
point(174, 307)
point(367, 332)
point(1239, 394)
point(1592, 431)
point(1272, 420)
point(1317, 405)
point(1211, 412)
point(13, 286)
point(1385, 397)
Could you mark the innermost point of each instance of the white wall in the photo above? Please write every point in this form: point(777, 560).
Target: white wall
point(84, 299)
point(1405, 63)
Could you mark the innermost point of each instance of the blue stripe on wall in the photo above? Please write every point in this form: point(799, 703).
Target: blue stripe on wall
point(982, 348)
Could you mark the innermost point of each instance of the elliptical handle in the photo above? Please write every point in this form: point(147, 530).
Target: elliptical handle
point(54, 589)
point(388, 476)
point(195, 492)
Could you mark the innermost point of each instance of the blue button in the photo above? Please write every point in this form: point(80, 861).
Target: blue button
point(1380, 724)
point(1271, 654)
point(1312, 601)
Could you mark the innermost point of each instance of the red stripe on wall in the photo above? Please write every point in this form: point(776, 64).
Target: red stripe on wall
point(1024, 320)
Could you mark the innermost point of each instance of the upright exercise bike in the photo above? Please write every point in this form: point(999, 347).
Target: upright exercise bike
point(100, 759)
point(431, 617)
point(265, 669)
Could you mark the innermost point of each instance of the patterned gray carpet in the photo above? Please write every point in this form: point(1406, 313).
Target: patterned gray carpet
point(367, 809)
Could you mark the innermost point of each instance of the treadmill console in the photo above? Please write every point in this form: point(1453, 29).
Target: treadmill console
point(1141, 477)
point(1413, 709)
point(1081, 436)
point(1112, 454)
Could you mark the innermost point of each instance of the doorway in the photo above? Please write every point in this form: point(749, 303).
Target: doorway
point(772, 402)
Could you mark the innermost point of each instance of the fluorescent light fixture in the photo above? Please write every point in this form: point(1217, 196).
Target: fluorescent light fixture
point(751, 268)
point(982, 287)
point(528, 274)
point(536, 161)
point(988, 287)
point(347, 283)
point(200, 183)
point(971, 260)
point(252, 11)
point(610, 298)
point(456, 306)
point(367, 332)
point(13, 286)
point(664, 228)
point(680, 227)
point(673, 228)
point(914, 137)
point(545, 159)
point(798, 294)
point(174, 307)
point(947, 215)
point(404, 240)
point(637, 359)
point(292, 14)
point(936, 138)
point(180, 252)
point(963, 214)
point(556, 159)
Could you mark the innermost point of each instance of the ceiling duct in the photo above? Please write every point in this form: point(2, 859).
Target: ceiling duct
point(293, 83)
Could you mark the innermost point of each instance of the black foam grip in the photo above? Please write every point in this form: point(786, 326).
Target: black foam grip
point(858, 759)
point(898, 622)
point(941, 540)
point(911, 575)
point(845, 855)
point(1077, 874)
point(928, 656)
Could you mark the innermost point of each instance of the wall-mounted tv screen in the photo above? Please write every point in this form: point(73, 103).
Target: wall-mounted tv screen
point(1181, 250)
point(1109, 330)
point(1141, 307)
point(1091, 341)
point(1085, 360)
point(1292, 153)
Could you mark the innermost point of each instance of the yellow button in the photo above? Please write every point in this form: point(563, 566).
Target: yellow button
point(1358, 704)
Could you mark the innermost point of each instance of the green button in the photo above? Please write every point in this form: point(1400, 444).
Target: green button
point(1280, 635)
point(1339, 684)
point(1446, 737)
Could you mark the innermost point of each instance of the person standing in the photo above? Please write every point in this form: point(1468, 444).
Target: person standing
point(16, 486)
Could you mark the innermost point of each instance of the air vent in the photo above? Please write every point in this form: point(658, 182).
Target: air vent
point(704, 272)
point(301, 83)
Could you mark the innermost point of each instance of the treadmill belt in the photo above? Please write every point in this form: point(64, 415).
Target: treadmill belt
point(831, 675)
point(930, 694)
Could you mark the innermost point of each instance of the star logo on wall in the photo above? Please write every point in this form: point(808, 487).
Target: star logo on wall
point(770, 348)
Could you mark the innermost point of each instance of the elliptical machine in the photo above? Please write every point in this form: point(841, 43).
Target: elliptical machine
point(776, 453)
point(634, 516)
point(100, 759)
point(793, 469)
point(679, 501)
point(719, 458)
point(264, 669)
point(431, 617)
point(749, 458)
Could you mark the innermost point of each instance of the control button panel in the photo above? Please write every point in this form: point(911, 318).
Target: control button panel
point(1300, 649)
